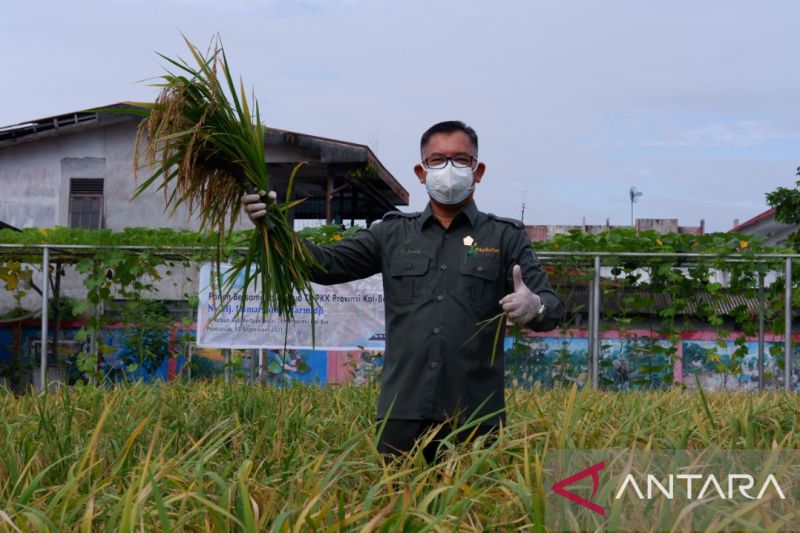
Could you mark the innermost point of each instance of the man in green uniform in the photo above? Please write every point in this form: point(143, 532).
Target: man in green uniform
point(445, 270)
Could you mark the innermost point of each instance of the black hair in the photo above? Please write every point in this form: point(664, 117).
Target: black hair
point(449, 126)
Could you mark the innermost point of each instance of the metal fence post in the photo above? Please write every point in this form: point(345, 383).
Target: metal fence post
point(590, 328)
point(787, 343)
point(228, 369)
point(761, 332)
point(188, 363)
point(253, 361)
point(595, 343)
point(45, 299)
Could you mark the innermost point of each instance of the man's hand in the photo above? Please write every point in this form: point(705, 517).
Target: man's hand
point(522, 305)
point(255, 207)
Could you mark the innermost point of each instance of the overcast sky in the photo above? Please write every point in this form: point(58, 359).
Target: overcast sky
point(696, 103)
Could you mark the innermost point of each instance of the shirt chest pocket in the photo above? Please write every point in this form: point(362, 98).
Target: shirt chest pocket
point(482, 280)
point(408, 278)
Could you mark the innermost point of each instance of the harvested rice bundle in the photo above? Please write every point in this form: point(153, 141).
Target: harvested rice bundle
point(207, 149)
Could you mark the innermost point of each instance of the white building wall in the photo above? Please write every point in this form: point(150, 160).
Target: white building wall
point(35, 180)
point(34, 192)
point(30, 184)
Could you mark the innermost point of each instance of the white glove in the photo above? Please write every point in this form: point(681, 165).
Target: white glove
point(254, 207)
point(522, 305)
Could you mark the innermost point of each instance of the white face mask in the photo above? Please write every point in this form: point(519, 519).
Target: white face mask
point(449, 185)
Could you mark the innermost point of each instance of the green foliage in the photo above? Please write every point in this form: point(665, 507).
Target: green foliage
point(145, 334)
point(787, 208)
point(667, 295)
point(662, 295)
point(111, 273)
point(122, 283)
point(327, 234)
point(162, 237)
point(16, 278)
point(627, 240)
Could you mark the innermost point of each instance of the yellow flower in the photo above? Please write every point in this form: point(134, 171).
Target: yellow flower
point(713, 358)
point(658, 242)
point(743, 244)
point(337, 237)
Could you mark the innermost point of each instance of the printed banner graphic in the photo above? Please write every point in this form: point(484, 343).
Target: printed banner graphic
point(672, 490)
point(348, 316)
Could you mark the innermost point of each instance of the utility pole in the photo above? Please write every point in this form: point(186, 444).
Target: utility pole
point(634, 194)
point(524, 197)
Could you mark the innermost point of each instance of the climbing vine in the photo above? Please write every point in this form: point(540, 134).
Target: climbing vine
point(667, 295)
point(663, 296)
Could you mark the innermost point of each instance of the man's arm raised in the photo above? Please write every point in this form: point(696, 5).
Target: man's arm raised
point(349, 259)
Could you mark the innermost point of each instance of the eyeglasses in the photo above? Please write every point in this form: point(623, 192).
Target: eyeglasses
point(440, 161)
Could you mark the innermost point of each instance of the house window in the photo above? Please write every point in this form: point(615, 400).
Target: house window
point(86, 203)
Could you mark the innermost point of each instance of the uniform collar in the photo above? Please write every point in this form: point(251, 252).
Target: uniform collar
point(470, 211)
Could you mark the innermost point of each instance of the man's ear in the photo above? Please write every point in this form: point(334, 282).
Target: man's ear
point(420, 172)
point(478, 173)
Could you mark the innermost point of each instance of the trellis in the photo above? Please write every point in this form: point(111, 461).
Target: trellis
point(64, 254)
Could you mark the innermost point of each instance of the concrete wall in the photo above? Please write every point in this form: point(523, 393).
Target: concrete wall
point(35, 179)
point(30, 179)
point(35, 182)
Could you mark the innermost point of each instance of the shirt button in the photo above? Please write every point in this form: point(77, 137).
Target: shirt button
point(435, 364)
point(440, 298)
point(408, 266)
point(480, 268)
point(436, 331)
point(443, 267)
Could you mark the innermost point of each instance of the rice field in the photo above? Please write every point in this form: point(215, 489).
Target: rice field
point(206, 456)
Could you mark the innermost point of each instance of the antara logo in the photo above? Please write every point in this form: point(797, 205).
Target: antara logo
point(736, 483)
point(594, 471)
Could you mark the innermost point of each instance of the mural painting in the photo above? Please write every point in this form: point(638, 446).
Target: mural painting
point(733, 365)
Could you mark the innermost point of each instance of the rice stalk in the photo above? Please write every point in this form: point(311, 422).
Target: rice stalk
point(204, 143)
point(128, 469)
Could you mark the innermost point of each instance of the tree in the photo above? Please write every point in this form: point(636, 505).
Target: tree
point(787, 208)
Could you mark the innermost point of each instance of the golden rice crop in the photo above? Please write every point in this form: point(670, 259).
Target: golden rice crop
point(205, 147)
point(211, 456)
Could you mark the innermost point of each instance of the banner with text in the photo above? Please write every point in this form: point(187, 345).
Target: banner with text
point(348, 316)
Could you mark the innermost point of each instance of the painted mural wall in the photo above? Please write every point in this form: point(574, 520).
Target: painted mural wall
point(631, 361)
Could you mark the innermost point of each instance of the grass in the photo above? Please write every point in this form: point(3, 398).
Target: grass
point(216, 457)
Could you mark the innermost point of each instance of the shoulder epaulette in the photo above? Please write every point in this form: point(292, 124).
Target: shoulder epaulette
point(513, 221)
point(394, 214)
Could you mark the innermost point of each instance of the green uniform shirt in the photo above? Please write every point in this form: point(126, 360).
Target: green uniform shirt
point(438, 285)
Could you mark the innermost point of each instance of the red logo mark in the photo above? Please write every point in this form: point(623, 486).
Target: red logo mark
point(559, 488)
